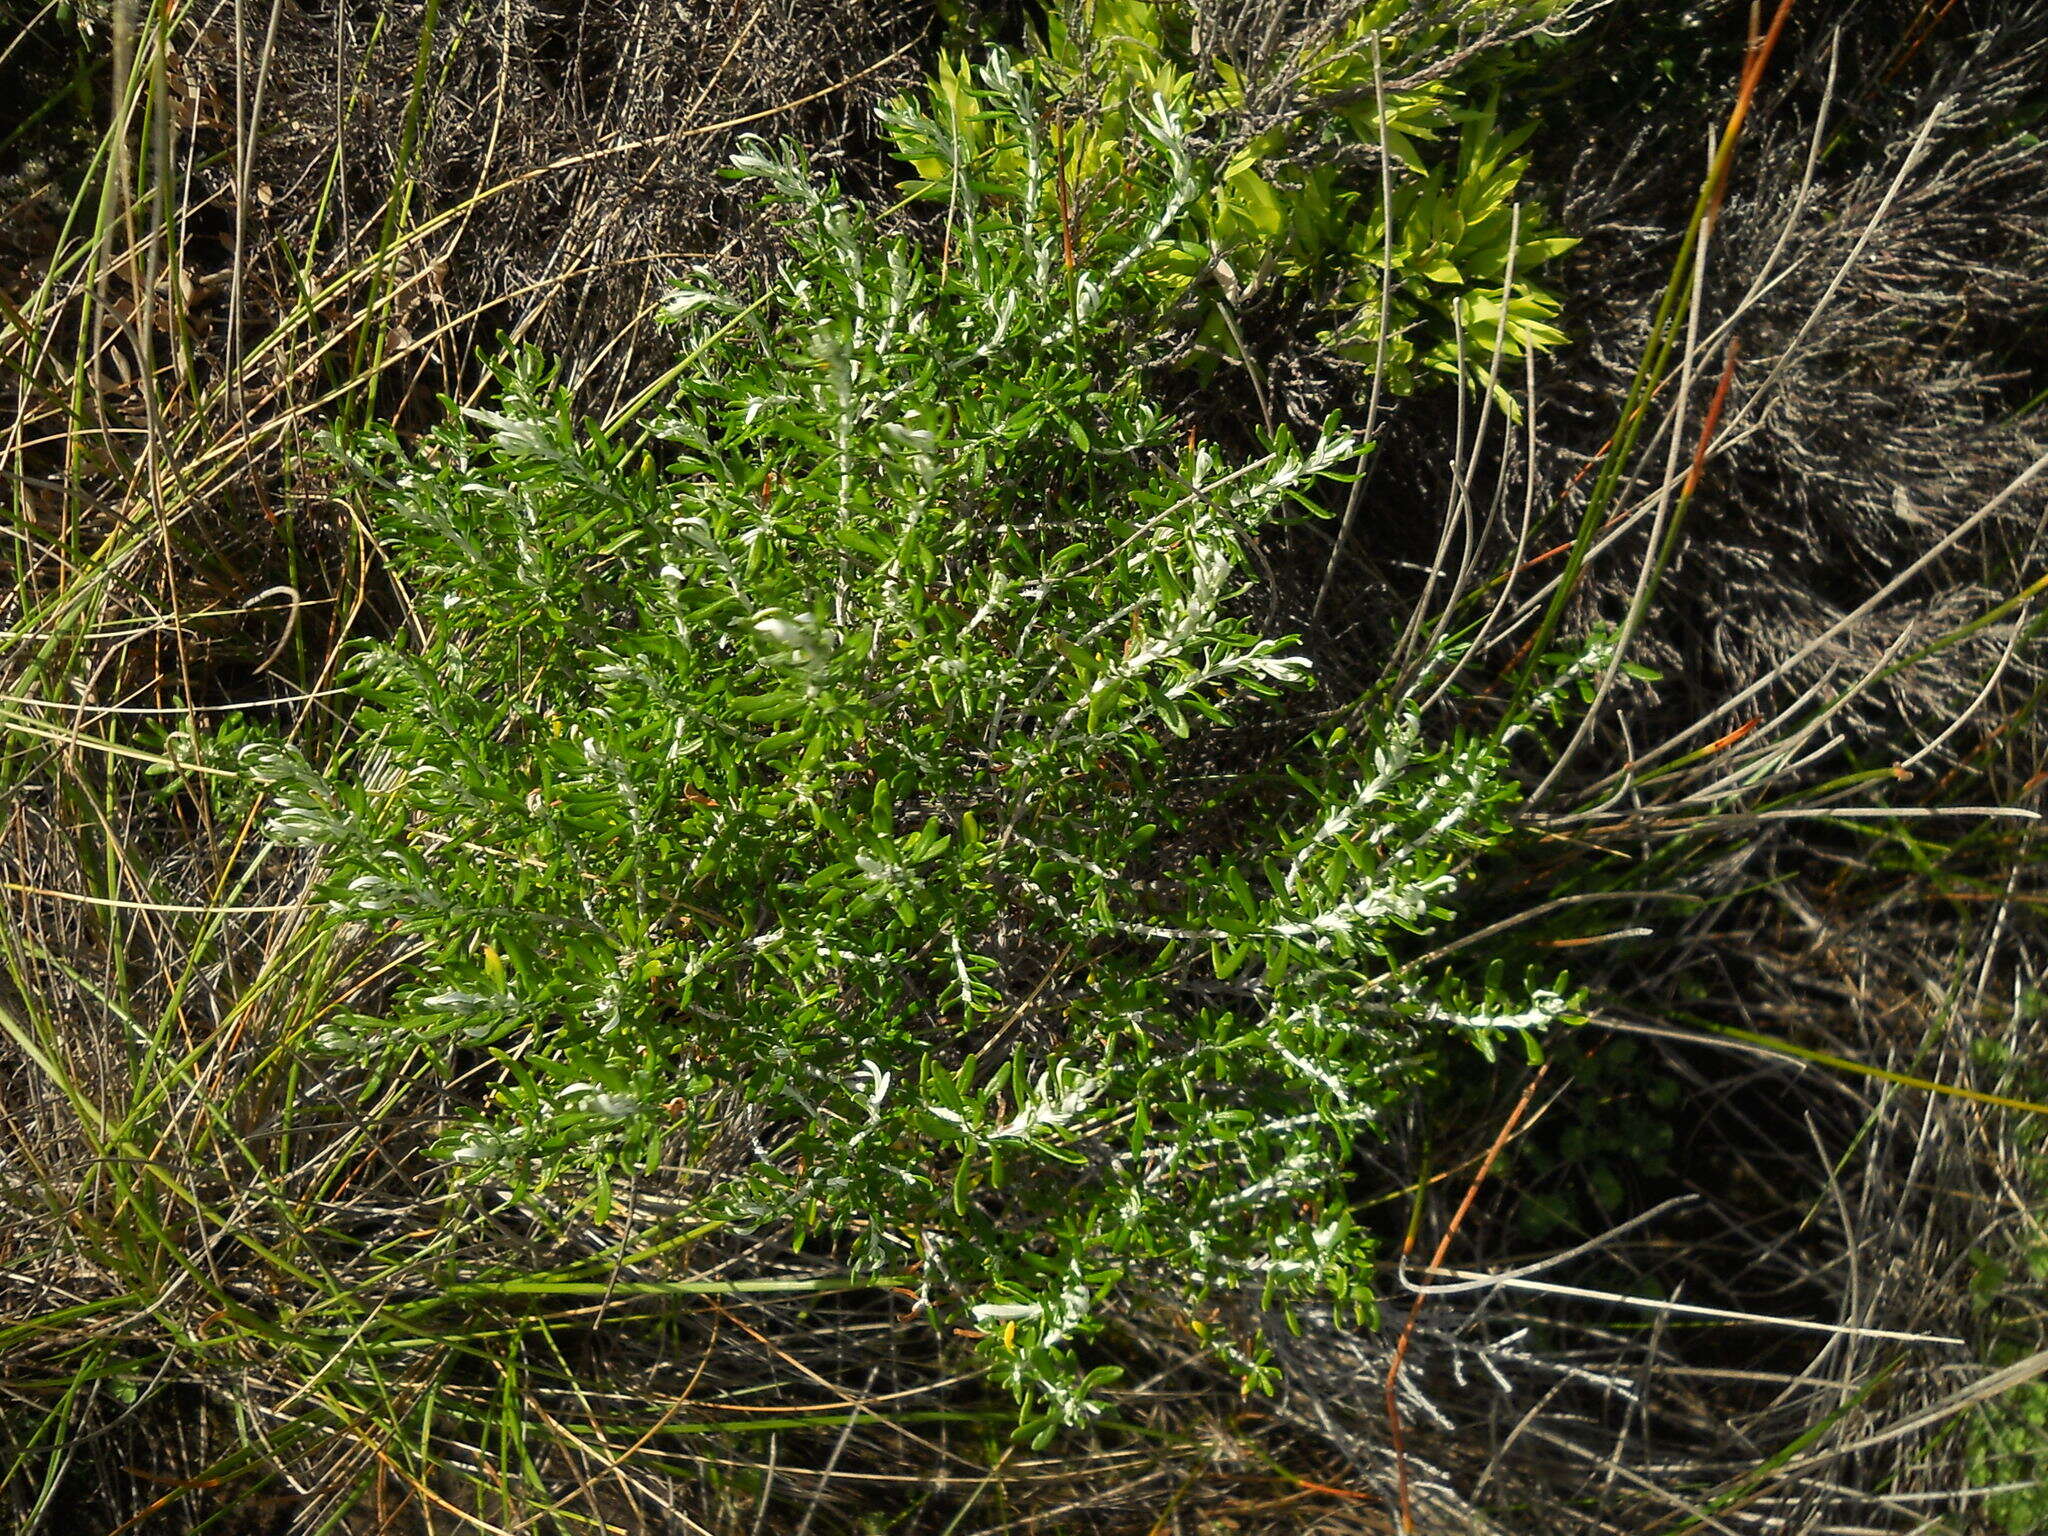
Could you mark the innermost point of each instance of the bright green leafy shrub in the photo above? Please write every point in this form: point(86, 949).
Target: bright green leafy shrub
point(836, 796)
point(1296, 208)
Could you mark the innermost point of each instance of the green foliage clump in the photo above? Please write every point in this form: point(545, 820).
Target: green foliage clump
point(827, 789)
point(1423, 266)
point(2006, 1440)
point(2008, 1450)
point(1578, 1169)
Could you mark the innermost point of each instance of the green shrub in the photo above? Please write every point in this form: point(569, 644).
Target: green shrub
point(1296, 207)
point(2006, 1440)
point(836, 792)
point(2007, 1449)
